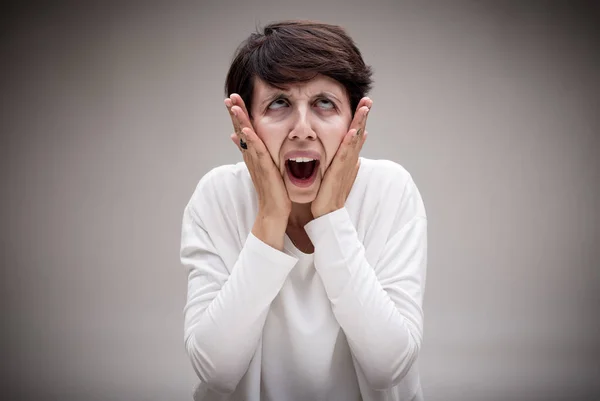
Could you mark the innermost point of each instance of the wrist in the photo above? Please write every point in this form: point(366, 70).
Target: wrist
point(270, 230)
point(325, 210)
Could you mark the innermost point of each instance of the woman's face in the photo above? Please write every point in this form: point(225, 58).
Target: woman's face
point(302, 128)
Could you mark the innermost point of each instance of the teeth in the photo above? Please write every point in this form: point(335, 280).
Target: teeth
point(301, 159)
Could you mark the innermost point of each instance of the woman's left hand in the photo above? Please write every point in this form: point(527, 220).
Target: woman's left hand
point(341, 173)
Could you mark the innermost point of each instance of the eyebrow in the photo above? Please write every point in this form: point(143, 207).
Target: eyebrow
point(282, 95)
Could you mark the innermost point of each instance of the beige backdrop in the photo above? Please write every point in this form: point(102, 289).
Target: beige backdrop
point(111, 113)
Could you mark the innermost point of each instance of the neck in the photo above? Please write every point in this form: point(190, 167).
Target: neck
point(300, 215)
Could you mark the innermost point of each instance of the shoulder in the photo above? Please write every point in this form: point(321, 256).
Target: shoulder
point(392, 185)
point(221, 187)
point(386, 177)
point(223, 176)
point(387, 171)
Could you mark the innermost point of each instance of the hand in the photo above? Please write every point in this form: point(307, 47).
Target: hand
point(274, 202)
point(341, 173)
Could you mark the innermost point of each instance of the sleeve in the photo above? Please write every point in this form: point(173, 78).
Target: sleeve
point(225, 312)
point(379, 307)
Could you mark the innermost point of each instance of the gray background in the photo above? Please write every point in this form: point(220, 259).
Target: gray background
point(111, 113)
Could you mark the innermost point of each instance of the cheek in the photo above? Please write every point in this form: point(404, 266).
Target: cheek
point(272, 139)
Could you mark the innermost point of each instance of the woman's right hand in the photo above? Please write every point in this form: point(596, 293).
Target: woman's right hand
point(274, 203)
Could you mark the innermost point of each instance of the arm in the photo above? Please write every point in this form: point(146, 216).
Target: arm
point(379, 307)
point(227, 305)
point(225, 313)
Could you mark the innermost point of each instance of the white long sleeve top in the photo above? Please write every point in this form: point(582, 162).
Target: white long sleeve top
point(343, 323)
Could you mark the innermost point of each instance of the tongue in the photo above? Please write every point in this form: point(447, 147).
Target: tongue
point(302, 170)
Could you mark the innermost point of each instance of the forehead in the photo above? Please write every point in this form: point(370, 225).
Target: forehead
point(319, 84)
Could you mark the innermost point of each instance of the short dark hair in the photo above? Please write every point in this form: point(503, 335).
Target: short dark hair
point(296, 51)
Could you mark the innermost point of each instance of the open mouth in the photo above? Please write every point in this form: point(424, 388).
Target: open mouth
point(302, 170)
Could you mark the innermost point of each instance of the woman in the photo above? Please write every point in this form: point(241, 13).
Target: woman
point(306, 263)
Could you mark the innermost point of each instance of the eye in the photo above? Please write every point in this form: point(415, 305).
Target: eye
point(277, 104)
point(325, 104)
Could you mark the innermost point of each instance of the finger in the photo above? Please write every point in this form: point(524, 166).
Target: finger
point(242, 117)
point(238, 101)
point(234, 120)
point(365, 101)
point(244, 130)
point(360, 117)
point(352, 142)
point(362, 141)
point(254, 144)
point(351, 137)
point(246, 127)
point(236, 141)
point(343, 152)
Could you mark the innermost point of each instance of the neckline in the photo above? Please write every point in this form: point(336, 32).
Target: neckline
point(293, 249)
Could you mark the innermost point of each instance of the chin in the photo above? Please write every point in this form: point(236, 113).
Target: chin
point(301, 197)
point(302, 200)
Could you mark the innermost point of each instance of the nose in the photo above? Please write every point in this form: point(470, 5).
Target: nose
point(301, 128)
